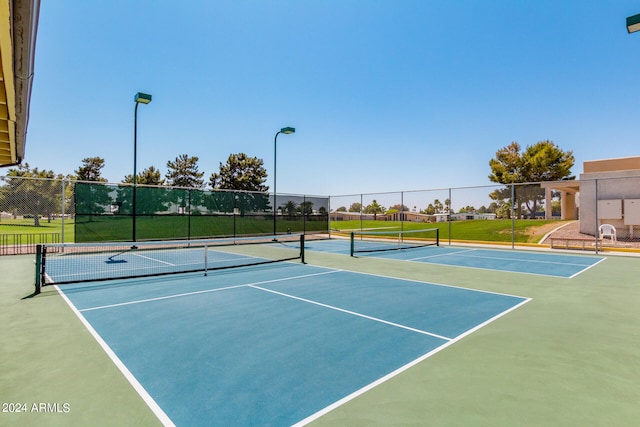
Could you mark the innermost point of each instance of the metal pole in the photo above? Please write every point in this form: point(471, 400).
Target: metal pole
point(597, 232)
point(449, 216)
point(401, 213)
point(235, 203)
point(275, 192)
point(38, 268)
point(361, 212)
point(145, 99)
point(513, 224)
point(135, 159)
point(329, 216)
point(189, 214)
point(63, 212)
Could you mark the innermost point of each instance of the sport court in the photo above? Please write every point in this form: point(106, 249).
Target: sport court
point(526, 262)
point(572, 345)
point(270, 344)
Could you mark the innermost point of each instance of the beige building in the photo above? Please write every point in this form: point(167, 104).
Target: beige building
point(608, 192)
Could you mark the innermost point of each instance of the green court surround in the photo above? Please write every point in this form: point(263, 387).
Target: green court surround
point(569, 357)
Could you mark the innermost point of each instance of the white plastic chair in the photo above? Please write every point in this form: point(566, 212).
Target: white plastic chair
point(608, 230)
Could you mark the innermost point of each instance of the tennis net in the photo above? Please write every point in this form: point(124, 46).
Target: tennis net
point(389, 240)
point(88, 262)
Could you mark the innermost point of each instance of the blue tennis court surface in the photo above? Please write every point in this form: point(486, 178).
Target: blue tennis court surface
point(275, 344)
point(545, 264)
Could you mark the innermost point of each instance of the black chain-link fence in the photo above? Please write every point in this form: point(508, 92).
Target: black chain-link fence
point(591, 210)
point(105, 212)
point(36, 211)
point(32, 211)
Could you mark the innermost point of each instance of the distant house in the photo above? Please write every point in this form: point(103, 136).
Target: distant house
point(350, 216)
point(465, 216)
point(410, 216)
point(439, 217)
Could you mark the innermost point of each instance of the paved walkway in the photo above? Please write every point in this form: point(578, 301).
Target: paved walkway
point(571, 230)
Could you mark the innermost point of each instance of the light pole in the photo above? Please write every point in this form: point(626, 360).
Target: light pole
point(286, 131)
point(140, 98)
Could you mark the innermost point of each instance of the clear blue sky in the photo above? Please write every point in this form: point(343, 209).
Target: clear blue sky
point(385, 95)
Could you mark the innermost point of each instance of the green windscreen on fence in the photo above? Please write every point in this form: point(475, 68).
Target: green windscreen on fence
point(104, 212)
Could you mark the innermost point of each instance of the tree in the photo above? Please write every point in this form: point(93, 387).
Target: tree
point(90, 169)
point(399, 208)
point(447, 206)
point(95, 198)
point(355, 207)
point(244, 173)
point(341, 209)
point(149, 176)
point(148, 200)
point(430, 210)
point(437, 204)
point(31, 193)
point(503, 210)
point(306, 208)
point(543, 161)
point(183, 172)
point(241, 172)
point(291, 208)
point(374, 208)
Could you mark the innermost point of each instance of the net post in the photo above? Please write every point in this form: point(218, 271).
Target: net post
point(302, 248)
point(352, 239)
point(206, 257)
point(38, 282)
point(437, 237)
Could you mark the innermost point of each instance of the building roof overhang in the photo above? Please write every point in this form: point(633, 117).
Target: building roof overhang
point(18, 28)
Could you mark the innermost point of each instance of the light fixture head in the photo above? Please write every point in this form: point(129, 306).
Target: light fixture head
point(287, 130)
point(633, 23)
point(142, 98)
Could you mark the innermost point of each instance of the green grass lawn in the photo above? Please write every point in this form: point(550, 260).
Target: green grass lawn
point(22, 229)
point(499, 230)
point(526, 231)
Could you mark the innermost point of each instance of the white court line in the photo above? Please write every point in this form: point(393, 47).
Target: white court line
point(151, 403)
point(525, 260)
point(167, 421)
point(185, 294)
point(140, 301)
point(496, 258)
point(443, 255)
point(238, 257)
point(398, 371)
point(422, 282)
point(153, 259)
point(375, 319)
point(585, 269)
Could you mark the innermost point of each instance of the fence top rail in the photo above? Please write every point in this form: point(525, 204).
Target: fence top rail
point(169, 187)
point(207, 189)
point(471, 187)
